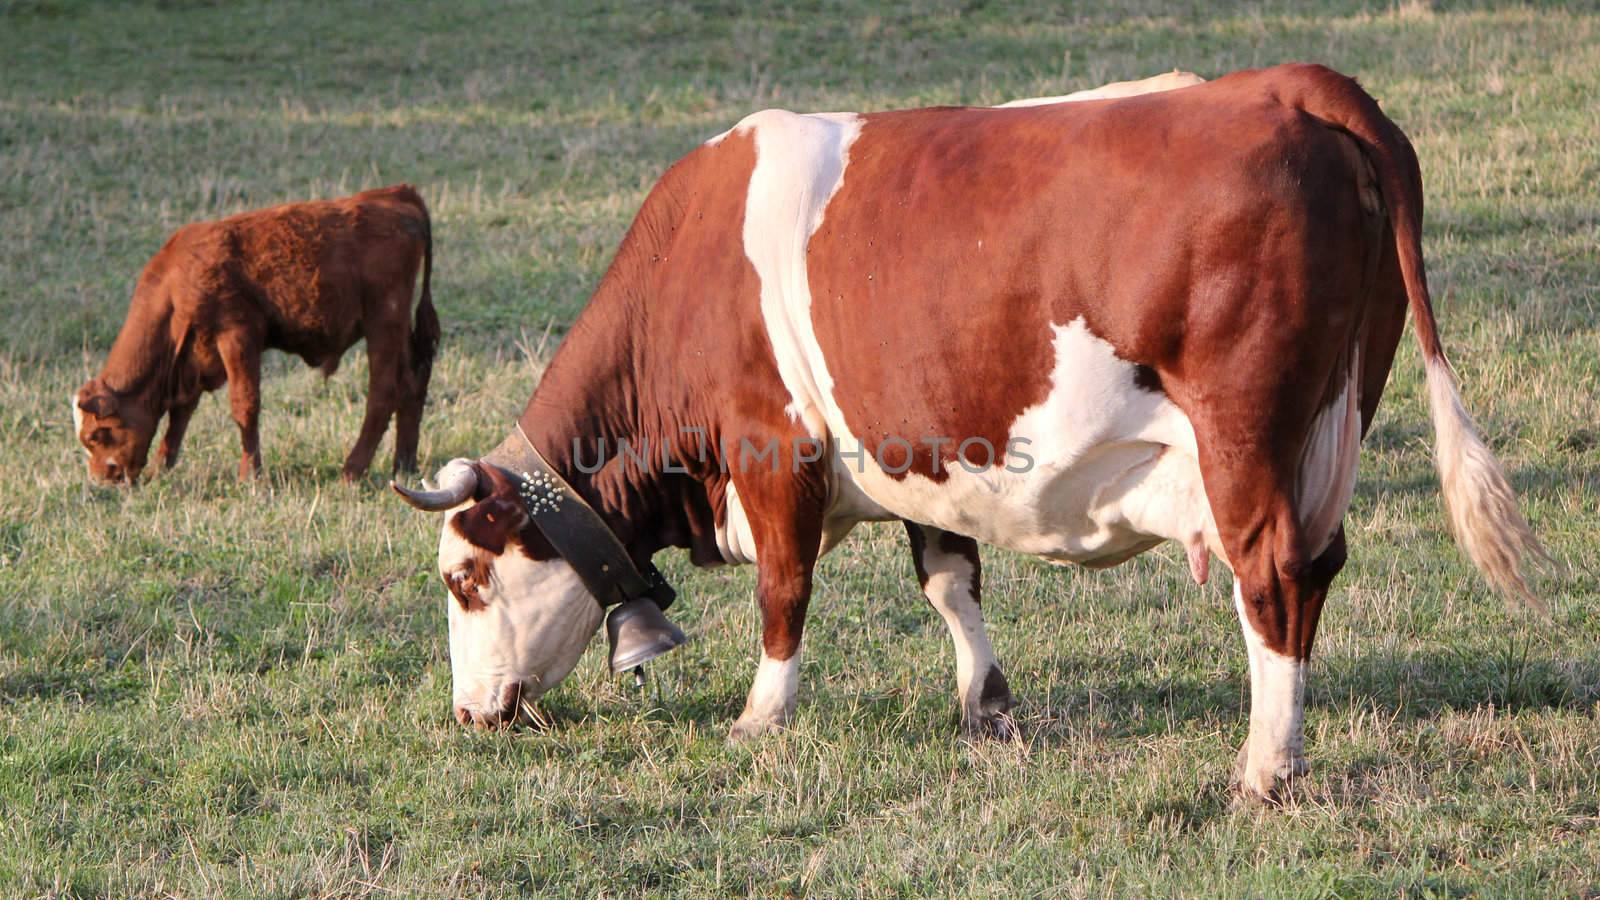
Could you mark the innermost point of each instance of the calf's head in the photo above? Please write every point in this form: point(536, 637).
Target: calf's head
point(519, 615)
point(115, 431)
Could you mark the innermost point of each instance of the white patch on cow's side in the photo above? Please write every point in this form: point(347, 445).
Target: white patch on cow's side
point(1167, 81)
point(1114, 468)
point(800, 165)
point(1327, 477)
point(536, 621)
point(771, 699)
point(1275, 749)
point(1111, 469)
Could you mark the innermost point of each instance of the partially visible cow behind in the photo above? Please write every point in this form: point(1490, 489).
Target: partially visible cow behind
point(1155, 84)
point(307, 278)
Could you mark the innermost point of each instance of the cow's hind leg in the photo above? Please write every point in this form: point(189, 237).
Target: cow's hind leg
point(1278, 504)
point(408, 418)
point(1281, 574)
point(948, 567)
point(386, 381)
point(1278, 612)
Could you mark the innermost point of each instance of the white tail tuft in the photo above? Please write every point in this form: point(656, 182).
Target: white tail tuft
point(1482, 507)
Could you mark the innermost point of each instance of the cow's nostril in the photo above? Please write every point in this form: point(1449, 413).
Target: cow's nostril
point(510, 702)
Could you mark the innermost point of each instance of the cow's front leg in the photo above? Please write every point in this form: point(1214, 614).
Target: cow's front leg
point(771, 700)
point(784, 590)
point(947, 565)
point(786, 521)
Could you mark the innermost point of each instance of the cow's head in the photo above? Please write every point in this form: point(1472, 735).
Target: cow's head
point(115, 431)
point(520, 617)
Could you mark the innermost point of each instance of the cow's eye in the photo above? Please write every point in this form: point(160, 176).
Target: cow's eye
point(100, 436)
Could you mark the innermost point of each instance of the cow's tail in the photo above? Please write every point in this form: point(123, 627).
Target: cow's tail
point(1481, 504)
point(425, 327)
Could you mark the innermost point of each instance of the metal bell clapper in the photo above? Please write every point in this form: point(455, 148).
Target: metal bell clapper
point(639, 632)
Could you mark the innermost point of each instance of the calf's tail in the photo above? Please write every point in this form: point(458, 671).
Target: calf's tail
point(425, 327)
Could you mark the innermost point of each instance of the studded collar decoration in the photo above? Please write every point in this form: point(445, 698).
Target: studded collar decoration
point(577, 531)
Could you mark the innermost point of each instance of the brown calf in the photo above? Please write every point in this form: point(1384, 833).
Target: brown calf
point(307, 278)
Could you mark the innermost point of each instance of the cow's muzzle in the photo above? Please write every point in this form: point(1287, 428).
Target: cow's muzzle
point(505, 711)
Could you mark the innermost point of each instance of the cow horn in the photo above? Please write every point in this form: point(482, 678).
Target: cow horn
point(457, 482)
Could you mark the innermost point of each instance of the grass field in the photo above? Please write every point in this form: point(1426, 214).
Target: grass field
point(209, 688)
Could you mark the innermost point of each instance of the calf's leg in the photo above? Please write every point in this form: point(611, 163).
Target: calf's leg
point(415, 370)
point(408, 418)
point(948, 567)
point(241, 359)
point(177, 425)
point(407, 434)
point(385, 380)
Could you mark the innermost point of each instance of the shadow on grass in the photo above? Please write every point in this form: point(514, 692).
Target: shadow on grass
point(84, 687)
point(1403, 689)
point(1124, 705)
point(564, 711)
point(1528, 480)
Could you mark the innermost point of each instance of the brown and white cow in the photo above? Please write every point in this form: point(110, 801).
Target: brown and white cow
point(1075, 330)
point(307, 278)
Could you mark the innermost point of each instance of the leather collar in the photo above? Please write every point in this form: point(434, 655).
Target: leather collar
point(576, 530)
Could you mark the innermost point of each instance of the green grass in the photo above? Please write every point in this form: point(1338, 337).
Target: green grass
point(208, 688)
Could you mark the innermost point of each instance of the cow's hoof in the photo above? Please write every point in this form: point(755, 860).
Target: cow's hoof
point(991, 715)
point(1270, 785)
point(1000, 726)
point(1249, 794)
point(750, 727)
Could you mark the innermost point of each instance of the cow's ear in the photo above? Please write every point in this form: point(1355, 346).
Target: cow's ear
point(98, 402)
